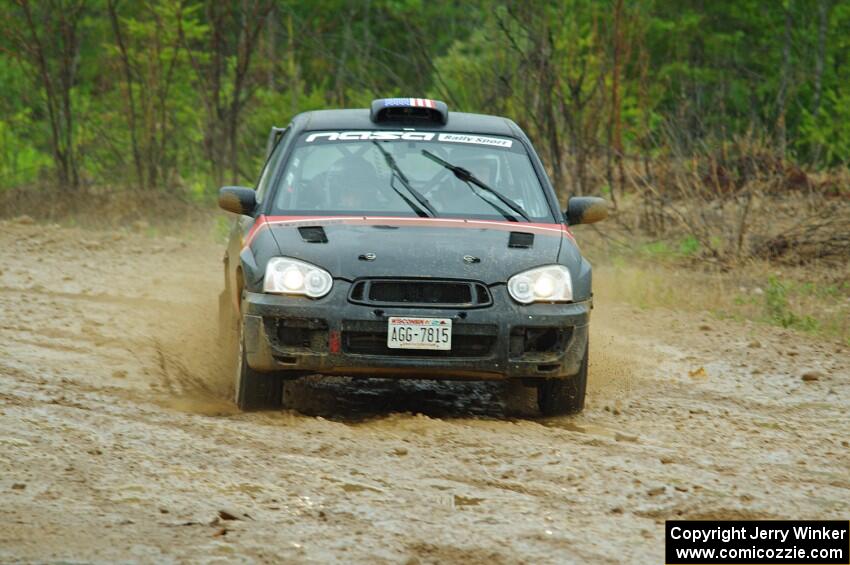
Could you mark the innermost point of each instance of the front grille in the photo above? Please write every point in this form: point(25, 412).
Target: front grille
point(370, 338)
point(420, 293)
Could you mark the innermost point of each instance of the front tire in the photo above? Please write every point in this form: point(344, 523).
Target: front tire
point(255, 390)
point(557, 397)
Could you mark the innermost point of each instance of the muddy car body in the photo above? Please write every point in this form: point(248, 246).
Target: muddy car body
point(406, 241)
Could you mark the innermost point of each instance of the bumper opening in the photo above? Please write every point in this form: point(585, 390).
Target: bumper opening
point(286, 359)
point(530, 340)
point(301, 334)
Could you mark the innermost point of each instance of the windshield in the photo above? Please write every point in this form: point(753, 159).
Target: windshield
point(393, 173)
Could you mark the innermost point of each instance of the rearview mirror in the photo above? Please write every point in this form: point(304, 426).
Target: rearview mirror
point(586, 210)
point(237, 199)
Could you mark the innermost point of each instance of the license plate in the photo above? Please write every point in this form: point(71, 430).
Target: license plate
point(419, 333)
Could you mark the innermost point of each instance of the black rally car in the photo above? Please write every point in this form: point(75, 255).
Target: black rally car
point(406, 241)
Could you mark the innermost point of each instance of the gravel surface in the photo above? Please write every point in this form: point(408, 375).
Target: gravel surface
point(119, 440)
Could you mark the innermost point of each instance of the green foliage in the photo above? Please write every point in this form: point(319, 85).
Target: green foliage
point(827, 133)
point(656, 249)
point(20, 161)
point(22, 158)
point(689, 245)
point(779, 312)
point(152, 91)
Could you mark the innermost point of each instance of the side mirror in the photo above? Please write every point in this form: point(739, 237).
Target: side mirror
point(237, 199)
point(586, 210)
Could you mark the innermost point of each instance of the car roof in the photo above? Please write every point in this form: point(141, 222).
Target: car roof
point(359, 119)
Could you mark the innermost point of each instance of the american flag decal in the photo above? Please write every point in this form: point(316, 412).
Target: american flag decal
point(409, 103)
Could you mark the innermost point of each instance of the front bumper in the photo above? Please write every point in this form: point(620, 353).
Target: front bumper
point(333, 336)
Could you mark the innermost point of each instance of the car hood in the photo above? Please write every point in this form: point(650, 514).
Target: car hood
point(406, 247)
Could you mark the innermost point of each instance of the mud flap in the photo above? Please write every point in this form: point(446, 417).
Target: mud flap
point(258, 352)
point(564, 396)
point(572, 364)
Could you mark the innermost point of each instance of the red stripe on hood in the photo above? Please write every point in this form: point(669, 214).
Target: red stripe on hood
point(542, 229)
point(259, 223)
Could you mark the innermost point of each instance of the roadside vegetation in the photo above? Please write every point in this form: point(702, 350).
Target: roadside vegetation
point(812, 298)
point(803, 301)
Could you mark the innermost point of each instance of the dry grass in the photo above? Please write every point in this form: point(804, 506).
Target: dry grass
point(733, 230)
point(814, 299)
point(730, 200)
point(104, 208)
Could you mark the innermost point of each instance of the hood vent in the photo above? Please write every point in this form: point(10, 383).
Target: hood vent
point(313, 234)
point(520, 239)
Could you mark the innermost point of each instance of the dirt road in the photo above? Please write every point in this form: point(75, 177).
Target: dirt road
point(118, 440)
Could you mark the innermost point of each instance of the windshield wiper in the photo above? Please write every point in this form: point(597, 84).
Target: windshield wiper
point(470, 179)
point(397, 173)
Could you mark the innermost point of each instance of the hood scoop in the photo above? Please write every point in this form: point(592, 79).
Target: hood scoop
point(313, 234)
point(521, 240)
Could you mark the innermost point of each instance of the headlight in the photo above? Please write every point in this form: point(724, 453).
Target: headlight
point(551, 283)
point(291, 276)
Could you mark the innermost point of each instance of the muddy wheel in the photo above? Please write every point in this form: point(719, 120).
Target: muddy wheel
point(226, 322)
point(563, 396)
point(228, 333)
point(255, 390)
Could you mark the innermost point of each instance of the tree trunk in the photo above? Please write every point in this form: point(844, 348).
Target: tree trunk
point(130, 100)
point(293, 71)
point(339, 79)
point(271, 49)
point(60, 110)
point(820, 55)
point(615, 134)
point(782, 94)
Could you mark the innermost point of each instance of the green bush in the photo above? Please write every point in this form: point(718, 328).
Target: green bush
point(779, 311)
